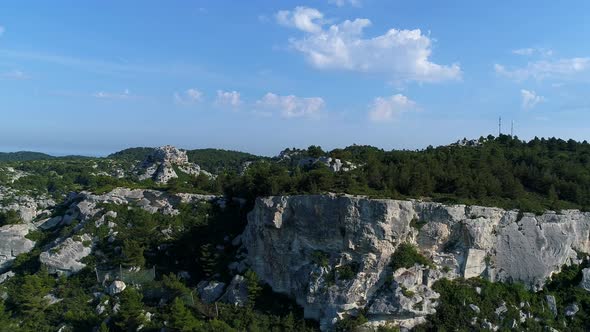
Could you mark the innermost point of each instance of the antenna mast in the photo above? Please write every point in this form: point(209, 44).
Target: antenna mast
point(499, 126)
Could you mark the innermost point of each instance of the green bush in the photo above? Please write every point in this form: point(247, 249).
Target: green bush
point(406, 255)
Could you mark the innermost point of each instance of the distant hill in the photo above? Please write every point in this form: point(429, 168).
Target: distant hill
point(24, 156)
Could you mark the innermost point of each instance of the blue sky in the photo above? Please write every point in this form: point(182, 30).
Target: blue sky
point(94, 77)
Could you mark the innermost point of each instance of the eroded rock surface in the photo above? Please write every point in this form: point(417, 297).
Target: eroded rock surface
point(299, 244)
point(66, 257)
point(161, 163)
point(13, 242)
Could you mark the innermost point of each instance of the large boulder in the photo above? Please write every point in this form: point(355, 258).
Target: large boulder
point(237, 292)
point(116, 287)
point(13, 242)
point(66, 257)
point(210, 291)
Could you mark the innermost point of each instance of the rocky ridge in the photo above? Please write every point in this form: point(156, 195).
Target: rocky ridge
point(161, 163)
point(65, 255)
point(302, 245)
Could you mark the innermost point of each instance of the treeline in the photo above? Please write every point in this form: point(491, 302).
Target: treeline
point(503, 171)
point(497, 171)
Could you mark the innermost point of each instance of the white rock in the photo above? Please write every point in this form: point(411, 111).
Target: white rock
point(66, 257)
point(571, 310)
point(116, 287)
point(475, 263)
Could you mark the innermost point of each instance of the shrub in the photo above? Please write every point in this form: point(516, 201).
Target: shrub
point(406, 256)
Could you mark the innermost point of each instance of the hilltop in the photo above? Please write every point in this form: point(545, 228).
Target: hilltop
point(350, 238)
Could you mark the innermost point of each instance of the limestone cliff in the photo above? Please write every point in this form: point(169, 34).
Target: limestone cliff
point(303, 245)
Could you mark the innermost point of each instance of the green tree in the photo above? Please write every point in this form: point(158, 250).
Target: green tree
point(254, 288)
point(133, 253)
point(181, 318)
point(131, 313)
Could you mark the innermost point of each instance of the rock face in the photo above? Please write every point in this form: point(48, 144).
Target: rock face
point(300, 244)
point(27, 207)
point(66, 257)
point(13, 243)
point(159, 165)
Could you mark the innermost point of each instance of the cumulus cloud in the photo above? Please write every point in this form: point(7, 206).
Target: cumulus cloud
point(291, 106)
point(190, 96)
point(539, 70)
point(113, 95)
point(530, 99)
point(403, 55)
point(387, 108)
point(342, 3)
point(228, 98)
point(302, 18)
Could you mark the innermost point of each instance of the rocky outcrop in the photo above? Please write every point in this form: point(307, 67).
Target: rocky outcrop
point(116, 287)
point(83, 206)
point(237, 292)
point(66, 257)
point(13, 242)
point(161, 163)
point(28, 207)
point(210, 291)
point(334, 164)
point(300, 244)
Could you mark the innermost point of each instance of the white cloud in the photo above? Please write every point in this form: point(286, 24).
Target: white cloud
point(113, 95)
point(400, 54)
point(2, 30)
point(532, 51)
point(342, 3)
point(302, 18)
point(544, 69)
point(190, 96)
point(530, 99)
point(291, 106)
point(387, 108)
point(228, 98)
point(14, 75)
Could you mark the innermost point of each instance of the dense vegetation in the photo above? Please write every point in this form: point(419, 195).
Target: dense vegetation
point(218, 161)
point(454, 313)
point(505, 171)
point(194, 241)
